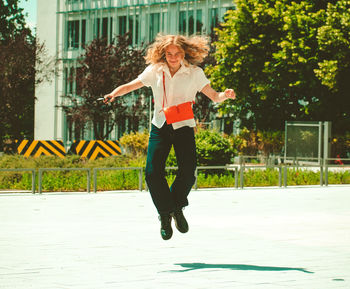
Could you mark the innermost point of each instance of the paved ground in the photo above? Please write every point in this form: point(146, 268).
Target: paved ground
point(253, 238)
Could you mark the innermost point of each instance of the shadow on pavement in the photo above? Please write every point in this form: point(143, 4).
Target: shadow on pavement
point(197, 266)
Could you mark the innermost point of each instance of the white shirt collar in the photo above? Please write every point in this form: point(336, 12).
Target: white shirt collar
point(183, 69)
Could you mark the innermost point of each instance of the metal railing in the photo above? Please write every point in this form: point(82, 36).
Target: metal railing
point(119, 169)
point(322, 165)
point(239, 171)
point(328, 165)
point(285, 171)
point(243, 167)
point(23, 170)
point(227, 167)
point(41, 170)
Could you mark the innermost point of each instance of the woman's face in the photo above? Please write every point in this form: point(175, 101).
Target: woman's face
point(173, 56)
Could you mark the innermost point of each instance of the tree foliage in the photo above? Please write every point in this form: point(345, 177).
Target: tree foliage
point(24, 64)
point(213, 148)
point(204, 108)
point(12, 20)
point(334, 61)
point(101, 69)
point(272, 53)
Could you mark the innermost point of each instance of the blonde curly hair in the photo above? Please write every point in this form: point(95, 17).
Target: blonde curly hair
point(195, 48)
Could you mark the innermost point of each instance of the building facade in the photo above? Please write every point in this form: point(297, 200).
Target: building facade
point(65, 26)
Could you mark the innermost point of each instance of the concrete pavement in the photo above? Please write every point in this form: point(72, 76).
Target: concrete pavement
point(252, 238)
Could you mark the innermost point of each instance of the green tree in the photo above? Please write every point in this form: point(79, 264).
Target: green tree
point(12, 20)
point(204, 108)
point(268, 51)
point(334, 63)
point(24, 65)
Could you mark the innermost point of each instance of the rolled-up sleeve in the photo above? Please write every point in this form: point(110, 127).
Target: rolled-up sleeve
point(147, 77)
point(201, 79)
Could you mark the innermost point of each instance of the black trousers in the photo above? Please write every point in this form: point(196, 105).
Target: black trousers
point(161, 140)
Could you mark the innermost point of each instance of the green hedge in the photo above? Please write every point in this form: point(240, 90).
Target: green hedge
point(70, 180)
point(213, 148)
point(128, 180)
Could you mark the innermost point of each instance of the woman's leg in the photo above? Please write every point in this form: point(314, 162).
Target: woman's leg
point(158, 150)
point(185, 150)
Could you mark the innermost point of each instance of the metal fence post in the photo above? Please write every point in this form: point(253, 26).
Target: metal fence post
point(279, 175)
point(95, 179)
point(241, 175)
point(33, 181)
point(196, 179)
point(88, 180)
point(39, 181)
point(285, 171)
point(326, 174)
point(236, 177)
point(140, 179)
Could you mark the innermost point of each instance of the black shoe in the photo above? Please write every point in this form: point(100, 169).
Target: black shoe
point(180, 221)
point(165, 230)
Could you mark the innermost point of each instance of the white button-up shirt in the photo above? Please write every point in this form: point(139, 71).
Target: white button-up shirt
point(180, 88)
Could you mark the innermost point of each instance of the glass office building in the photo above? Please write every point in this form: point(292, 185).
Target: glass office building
point(67, 25)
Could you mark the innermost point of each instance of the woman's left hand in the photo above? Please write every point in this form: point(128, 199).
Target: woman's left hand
point(230, 93)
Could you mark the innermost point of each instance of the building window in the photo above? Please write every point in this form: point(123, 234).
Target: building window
point(186, 22)
point(83, 33)
point(73, 34)
point(129, 24)
point(134, 22)
point(164, 22)
point(101, 28)
point(75, 131)
point(68, 81)
point(72, 81)
point(104, 28)
point(78, 81)
point(65, 79)
point(214, 18)
point(199, 24)
point(122, 25)
point(154, 26)
point(182, 22)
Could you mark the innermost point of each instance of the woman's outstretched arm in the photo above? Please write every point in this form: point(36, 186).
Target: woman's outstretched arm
point(218, 96)
point(123, 89)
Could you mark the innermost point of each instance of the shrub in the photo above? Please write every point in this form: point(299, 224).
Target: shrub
point(213, 148)
point(251, 143)
point(270, 142)
point(340, 146)
point(171, 161)
point(247, 143)
point(261, 177)
point(135, 143)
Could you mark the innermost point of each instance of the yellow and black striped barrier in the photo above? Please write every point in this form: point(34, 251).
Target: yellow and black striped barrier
point(41, 147)
point(93, 149)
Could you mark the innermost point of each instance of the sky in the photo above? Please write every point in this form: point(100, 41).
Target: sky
point(29, 7)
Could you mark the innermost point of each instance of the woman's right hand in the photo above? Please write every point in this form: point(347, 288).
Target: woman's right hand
point(108, 98)
point(122, 89)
